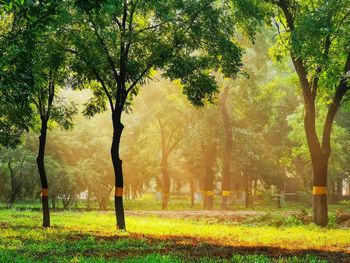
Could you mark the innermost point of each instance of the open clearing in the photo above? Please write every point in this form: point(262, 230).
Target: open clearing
point(90, 237)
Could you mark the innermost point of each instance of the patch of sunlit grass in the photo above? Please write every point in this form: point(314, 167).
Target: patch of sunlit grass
point(93, 235)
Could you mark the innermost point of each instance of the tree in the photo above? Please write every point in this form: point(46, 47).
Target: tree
point(64, 182)
point(226, 177)
point(338, 159)
point(47, 72)
point(19, 164)
point(316, 36)
point(16, 41)
point(82, 153)
point(118, 44)
point(204, 139)
point(169, 126)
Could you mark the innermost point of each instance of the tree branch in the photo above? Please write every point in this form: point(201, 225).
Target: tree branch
point(130, 30)
point(97, 75)
point(333, 109)
point(139, 78)
point(150, 27)
point(104, 46)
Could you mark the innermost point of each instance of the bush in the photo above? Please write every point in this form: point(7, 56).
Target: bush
point(278, 219)
point(332, 220)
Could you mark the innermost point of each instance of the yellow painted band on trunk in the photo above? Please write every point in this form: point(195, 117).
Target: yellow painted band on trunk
point(319, 190)
point(226, 193)
point(208, 193)
point(166, 194)
point(119, 191)
point(44, 192)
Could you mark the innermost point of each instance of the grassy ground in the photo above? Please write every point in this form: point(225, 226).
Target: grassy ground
point(149, 202)
point(90, 237)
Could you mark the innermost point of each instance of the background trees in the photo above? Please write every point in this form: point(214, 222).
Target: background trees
point(244, 139)
point(117, 45)
point(17, 169)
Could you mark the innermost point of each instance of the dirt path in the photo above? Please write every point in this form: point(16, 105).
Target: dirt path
point(233, 216)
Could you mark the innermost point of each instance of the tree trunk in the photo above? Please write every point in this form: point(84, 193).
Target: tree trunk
point(53, 202)
point(255, 192)
point(88, 201)
point(164, 169)
point(247, 190)
point(118, 171)
point(209, 159)
point(320, 207)
point(333, 192)
point(192, 191)
point(250, 192)
point(339, 193)
point(42, 173)
point(66, 200)
point(166, 183)
point(178, 186)
point(319, 153)
point(15, 187)
point(226, 179)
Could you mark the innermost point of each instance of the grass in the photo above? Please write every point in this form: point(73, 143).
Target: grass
point(149, 202)
point(90, 237)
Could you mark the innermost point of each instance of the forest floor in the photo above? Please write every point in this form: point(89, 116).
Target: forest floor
point(152, 237)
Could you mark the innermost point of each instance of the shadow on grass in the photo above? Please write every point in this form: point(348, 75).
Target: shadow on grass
point(196, 248)
point(192, 248)
point(63, 243)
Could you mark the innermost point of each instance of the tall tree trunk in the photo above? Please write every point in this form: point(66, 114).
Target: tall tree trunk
point(166, 183)
point(319, 153)
point(209, 159)
point(15, 187)
point(128, 192)
point(192, 191)
point(88, 201)
point(40, 160)
point(320, 206)
point(118, 171)
point(255, 189)
point(226, 178)
point(247, 191)
point(251, 191)
point(164, 168)
point(333, 192)
point(53, 202)
point(339, 189)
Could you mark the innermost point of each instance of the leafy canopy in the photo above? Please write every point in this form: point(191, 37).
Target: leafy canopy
point(119, 44)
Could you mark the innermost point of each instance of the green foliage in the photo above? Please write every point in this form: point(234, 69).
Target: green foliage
point(185, 39)
point(18, 173)
point(31, 66)
point(332, 220)
point(15, 82)
point(9, 5)
point(278, 219)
